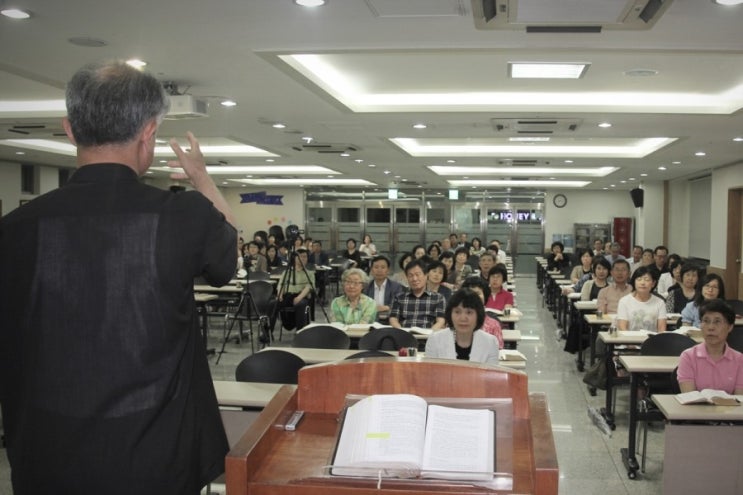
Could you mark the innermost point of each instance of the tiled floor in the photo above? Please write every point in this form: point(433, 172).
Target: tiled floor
point(589, 461)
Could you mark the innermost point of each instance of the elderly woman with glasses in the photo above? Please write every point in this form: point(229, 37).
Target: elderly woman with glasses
point(712, 364)
point(353, 306)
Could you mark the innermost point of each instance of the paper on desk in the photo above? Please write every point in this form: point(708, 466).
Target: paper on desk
point(673, 316)
point(636, 333)
point(689, 331)
point(511, 355)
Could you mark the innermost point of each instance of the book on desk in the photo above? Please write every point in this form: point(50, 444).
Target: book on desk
point(708, 396)
point(403, 436)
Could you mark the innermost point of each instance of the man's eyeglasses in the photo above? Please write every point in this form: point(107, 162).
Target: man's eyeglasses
point(348, 282)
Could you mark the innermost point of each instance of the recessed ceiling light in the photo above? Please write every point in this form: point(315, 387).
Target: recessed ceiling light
point(631, 178)
point(358, 160)
point(310, 3)
point(643, 175)
point(547, 70)
point(371, 165)
point(228, 103)
point(279, 125)
point(15, 13)
point(307, 139)
point(738, 139)
point(529, 139)
point(387, 172)
point(136, 63)
point(605, 125)
point(700, 153)
point(661, 168)
point(270, 160)
point(613, 185)
point(676, 163)
point(623, 181)
point(728, 2)
point(419, 126)
point(20, 152)
point(568, 161)
point(344, 154)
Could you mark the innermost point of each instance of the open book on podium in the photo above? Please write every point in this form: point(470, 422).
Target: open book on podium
point(403, 436)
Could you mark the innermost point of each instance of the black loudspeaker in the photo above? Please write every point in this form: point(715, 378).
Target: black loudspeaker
point(638, 197)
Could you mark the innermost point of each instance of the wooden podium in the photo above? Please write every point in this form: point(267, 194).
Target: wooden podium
point(270, 460)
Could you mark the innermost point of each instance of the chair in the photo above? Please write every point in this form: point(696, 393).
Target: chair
point(369, 354)
point(339, 266)
point(389, 339)
point(736, 304)
point(270, 366)
point(322, 337)
point(735, 339)
point(662, 344)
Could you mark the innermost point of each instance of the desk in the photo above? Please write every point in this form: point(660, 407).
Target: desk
point(316, 356)
point(245, 394)
point(701, 458)
point(595, 325)
point(620, 338)
point(225, 289)
point(637, 366)
point(201, 300)
point(511, 338)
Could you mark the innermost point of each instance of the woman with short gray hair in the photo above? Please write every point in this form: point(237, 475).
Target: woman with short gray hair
point(353, 307)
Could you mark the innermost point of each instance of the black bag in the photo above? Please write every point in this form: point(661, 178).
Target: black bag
point(595, 376)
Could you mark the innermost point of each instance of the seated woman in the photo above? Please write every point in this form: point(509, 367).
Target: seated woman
point(641, 309)
point(447, 258)
point(461, 269)
point(367, 246)
point(351, 253)
point(672, 277)
point(272, 257)
point(400, 276)
point(462, 339)
point(590, 289)
point(353, 306)
point(712, 364)
point(437, 273)
point(500, 298)
point(685, 292)
point(476, 248)
point(557, 259)
point(418, 251)
point(584, 268)
point(295, 291)
point(711, 287)
point(434, 251)
point(490, 325)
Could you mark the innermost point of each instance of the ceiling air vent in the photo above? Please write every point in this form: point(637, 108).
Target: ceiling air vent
point(33, 130)
point(567, 16)
point(535, 127)
point(331, 148)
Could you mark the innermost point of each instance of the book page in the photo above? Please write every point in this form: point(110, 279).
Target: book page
point(460, 443)
point(708, 396)
point(419, 330)
point(384, 431)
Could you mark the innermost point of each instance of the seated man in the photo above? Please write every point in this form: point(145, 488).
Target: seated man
point(419, 307)
point(382, 289)
point(318, 257)
point(712, 364)
point(487, 261)
point(609, 296)
point(295, 292)
point(255, 261)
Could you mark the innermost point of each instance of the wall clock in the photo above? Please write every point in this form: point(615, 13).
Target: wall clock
point(560, 200)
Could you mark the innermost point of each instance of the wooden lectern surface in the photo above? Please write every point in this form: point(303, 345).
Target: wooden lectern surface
point(269, 460)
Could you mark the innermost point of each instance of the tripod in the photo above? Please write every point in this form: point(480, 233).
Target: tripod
point(248, 303)
point(289, 280)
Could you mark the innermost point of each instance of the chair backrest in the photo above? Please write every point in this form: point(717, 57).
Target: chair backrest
point(735, 339)
point(369, 354)
point(674, 386)
point(261, 293)
point(258, 276)
point(736, 304)
point(388, 339)
point(666, 344)
point(269, 366)
point(322, 337)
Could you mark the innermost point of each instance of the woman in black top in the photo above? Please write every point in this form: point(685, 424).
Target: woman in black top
point(351, 253)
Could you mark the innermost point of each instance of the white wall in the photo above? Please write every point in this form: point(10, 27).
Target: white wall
point(10, 186)
point(649, 231)
point(585, 207)
point(251, 216)
point(722, 180)
point(678, 217)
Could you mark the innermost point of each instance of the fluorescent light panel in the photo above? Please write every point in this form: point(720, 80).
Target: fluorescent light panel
point(258, 169)
point(520, 183)
point(547, 70)
point(445, 171)
point(306, 182)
